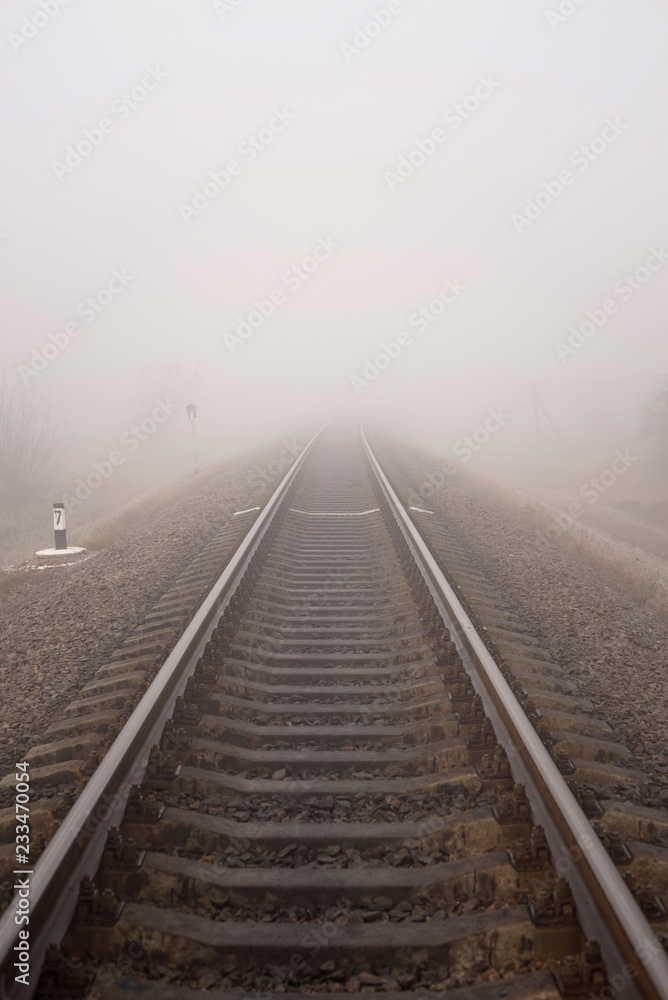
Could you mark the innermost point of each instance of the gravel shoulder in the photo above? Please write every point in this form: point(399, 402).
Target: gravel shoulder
point(61, 625)
point(574, 600)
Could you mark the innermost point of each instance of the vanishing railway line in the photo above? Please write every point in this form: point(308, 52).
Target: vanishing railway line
point(330, 786)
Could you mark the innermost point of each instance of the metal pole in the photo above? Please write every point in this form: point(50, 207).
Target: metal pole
point(192, 421)
point(191, 410)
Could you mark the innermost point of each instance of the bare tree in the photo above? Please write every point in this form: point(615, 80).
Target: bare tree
point(32, 438)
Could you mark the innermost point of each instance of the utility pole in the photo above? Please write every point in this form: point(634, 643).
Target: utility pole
point(536, 395)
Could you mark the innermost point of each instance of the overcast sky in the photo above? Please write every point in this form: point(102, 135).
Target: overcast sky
point(314, 105)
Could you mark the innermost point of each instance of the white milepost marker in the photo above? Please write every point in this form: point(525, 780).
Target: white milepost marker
point(59, 526)
point(59, 529)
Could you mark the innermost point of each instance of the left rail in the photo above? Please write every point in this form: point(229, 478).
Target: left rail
point(78, 845)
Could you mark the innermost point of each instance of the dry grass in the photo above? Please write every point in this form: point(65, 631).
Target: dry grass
point(642, 578)
point(12, 583)
point(105, 532)
point(23, 530)
point(103, 519)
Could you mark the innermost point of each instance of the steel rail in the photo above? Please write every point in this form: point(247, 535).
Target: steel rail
point(76, 848)
point(637, 963)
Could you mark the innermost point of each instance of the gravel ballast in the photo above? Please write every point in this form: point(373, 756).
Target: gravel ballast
point(65, 622)
point(614, 648)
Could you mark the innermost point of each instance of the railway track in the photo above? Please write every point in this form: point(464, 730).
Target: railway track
point(330, 786)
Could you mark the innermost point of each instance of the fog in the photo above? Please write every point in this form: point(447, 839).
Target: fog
point(417, 211)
